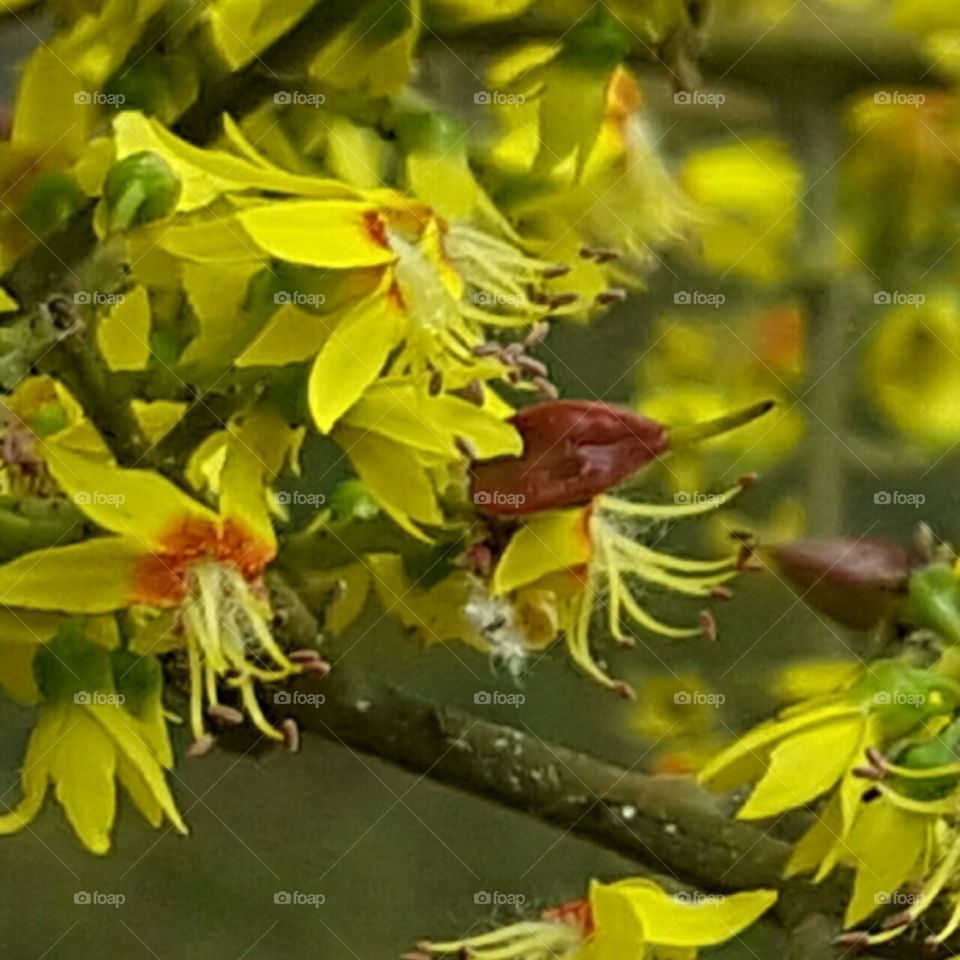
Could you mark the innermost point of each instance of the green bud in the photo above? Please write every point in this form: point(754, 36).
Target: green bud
point(351, 500)
point(934, 601)
point(939, 752)
point(138, 679)
point(431, 132)
point(53, 198)
point(904, 697)
point(139, 189)
point(600, 43)
point(49, 419)
point(69, 667)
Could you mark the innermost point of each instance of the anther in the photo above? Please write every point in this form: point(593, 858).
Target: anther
point(708, 625)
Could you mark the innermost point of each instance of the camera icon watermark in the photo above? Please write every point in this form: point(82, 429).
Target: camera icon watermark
point(297, 498)
point(494, 698)
point(698, 698)
point(99, 99)
point(699, 99)
point(95, 498)
point(298, 698)
point(94, 898)
point(697, 298)
point(896, 698)
point(896, 298)
point(96, 698)
point(897, 98)
point(494, 898)
point(298, 898)
point(489, 498)
point(97, 298)
point(298, 98)
point(299, 298)
point(497, 98)
point(887, 498)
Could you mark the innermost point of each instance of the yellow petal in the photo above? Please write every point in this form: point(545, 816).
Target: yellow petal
point(243, 493)
point(886, 845)
point(547, 542)
point(123, 334)
point(736, 764)
point(208, 174)
point(157, 417)
point(123, 731)
point(241, 29)
point(818, 842)
point(21, 632)
point(91, 577)
point(803, 766)
point(40, 755)
point(670, 921)
point(83, 772)
point(379, 462)
point(433, 424)
point(139, 503)
point(131, 781)
point(291, 335)
point(353, 357)
point(7, 303)
point(339, 234)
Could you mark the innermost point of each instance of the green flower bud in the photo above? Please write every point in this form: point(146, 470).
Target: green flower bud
point(69, 667)
point(934, 602)
point(351, 500)
point(138, 679)
point(432, 132)
point(51, 418)
point(140, 188)
point(939, 752)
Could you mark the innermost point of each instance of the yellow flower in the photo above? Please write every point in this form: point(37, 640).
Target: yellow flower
point(172, 553)
point(629, 918)
point(816, 745)
point(41, 408)
point(592, 556)
point(912, 370)
point(100, 723)
point(749, 196)
point(398, 428)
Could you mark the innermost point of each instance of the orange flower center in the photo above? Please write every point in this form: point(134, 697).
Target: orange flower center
point(161, 578)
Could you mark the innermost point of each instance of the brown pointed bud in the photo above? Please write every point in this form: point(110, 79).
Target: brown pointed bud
point(574, 450)
point(856, 582)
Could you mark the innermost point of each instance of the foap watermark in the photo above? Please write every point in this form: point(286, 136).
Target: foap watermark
point(490, 498)
point(897, 298)
point(697, 298)
point(498, 98)
point(297, 498)
point(299, 299)
point(485, 299)
point(298, 898)
point(698, 698)
point(689, 497)
point(494, 698)
point(99, 99)
point(94, 898)
point(298, 98)
point(897, 899)
point(897, 698)
point(298, 698)
point(698, 98)
point(693, 898)
point(894, 498)
point(899, 98)
point(85, 498)
point(85, 298)
point(496, 898)
point(97, 698)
